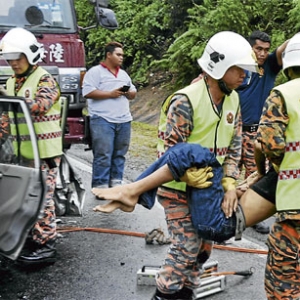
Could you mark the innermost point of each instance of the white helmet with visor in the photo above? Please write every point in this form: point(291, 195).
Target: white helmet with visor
point(19, 40)
point(224, 50)
point(291, 55)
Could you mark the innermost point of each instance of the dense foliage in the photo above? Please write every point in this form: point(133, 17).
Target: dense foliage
point(170, 35)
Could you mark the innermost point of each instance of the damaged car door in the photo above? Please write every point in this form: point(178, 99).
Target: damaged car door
point(22, 182)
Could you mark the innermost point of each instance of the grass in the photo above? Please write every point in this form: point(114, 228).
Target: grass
point(143, 141)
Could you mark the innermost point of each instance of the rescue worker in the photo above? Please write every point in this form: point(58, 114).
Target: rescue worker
point(22, 51)
point(279, 139)
point(207, 113)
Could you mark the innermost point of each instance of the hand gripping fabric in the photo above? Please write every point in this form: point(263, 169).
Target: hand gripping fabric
point(198, 178)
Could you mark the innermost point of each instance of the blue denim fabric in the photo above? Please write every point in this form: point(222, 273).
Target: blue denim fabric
point(204, 204)
point(110, 143)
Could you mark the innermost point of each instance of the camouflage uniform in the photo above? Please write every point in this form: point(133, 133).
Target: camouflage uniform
point(188, 251)
point(47, 94)
point(282, 275)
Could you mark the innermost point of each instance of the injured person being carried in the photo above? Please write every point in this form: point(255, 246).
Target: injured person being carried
point(213, 217)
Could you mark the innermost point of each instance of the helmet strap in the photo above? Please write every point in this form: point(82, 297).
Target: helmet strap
point(223, 87)
point(26, 73)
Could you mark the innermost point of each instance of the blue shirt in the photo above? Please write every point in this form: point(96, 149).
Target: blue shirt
point(256, 88)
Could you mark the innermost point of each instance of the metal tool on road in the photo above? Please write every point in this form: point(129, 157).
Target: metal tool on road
point(209, 286)
point(146, 276)
point(212, 281)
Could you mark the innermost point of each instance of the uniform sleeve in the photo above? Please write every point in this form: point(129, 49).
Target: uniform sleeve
point(273, 63)
point(272, 127)
point(4, 127)
point(179, 121)
point(233, 156)
point(47, 95)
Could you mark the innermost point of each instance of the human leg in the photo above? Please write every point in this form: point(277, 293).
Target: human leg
point(282, 273)
point(178, 159)
point(187, 252)
point(248, 160)
point(121, 145)
point(103, 134)
point(125, 197)
point(258, 202)
point(255, 207)
point(248, 140)
point(43, 235)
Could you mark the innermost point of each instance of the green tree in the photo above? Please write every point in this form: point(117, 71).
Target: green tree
point(170, 35)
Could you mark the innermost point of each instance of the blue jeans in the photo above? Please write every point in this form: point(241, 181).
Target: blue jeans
point(204, 204)
point(110, 143)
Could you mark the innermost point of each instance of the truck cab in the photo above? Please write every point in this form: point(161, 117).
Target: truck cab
point(54, 24)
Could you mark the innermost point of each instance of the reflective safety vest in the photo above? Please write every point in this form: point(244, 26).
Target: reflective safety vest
point(288, 186)
point(212, 129)
point(47, 127)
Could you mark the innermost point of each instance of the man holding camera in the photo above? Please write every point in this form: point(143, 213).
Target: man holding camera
point(108, 88)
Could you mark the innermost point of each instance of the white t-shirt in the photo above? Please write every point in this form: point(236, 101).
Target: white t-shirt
point(114, 110)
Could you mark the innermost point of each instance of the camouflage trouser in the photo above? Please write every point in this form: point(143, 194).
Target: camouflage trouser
point(247, 159)
point(187, 251)
point(282, 275)
point(45, 228)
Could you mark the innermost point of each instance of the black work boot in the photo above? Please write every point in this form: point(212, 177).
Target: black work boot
point(183, 294)
point(38, 254)
point(261, 227)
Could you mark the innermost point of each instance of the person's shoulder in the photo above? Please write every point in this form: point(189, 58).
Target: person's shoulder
point(123, 71)
point(96, 68)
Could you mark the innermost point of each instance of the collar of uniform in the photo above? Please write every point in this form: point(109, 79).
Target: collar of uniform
point(30, 70)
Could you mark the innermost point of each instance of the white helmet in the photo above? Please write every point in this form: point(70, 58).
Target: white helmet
point(224, 50)
point(291, 55)
point(19, 40)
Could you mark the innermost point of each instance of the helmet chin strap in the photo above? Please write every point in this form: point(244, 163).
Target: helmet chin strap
point(26, 72)
point(223, 87)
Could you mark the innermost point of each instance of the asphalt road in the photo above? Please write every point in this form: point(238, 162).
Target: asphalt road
point(104, 266)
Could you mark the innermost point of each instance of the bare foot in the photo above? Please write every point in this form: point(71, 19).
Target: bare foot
point(121, 193)
point(112, 206)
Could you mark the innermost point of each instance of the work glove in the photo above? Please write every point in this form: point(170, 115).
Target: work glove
point(198, 178)
point(228, 184)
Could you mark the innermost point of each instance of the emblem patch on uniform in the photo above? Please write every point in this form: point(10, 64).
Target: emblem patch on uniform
point(27, 93)
point(229, 118)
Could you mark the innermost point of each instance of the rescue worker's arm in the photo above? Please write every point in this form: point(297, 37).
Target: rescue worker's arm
point(231, 169)
point(272, 127)
point(4, 127)
point(179, 121)
point(260, 159)
point(47, 95)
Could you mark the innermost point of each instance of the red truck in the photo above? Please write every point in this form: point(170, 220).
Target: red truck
point(54, 24)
